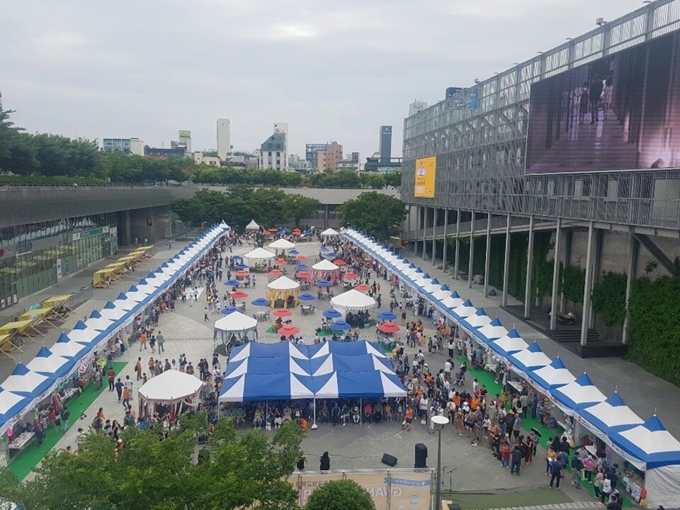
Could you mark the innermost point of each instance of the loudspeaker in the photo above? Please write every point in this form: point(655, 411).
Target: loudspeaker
point(421, 456)
point(388, 459)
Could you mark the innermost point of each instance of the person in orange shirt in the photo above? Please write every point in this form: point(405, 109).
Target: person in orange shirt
point(142, 340)
point(409, 419)
point(474, 403)
point(303, 424)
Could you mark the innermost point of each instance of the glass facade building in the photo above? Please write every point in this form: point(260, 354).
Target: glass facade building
point(37, 255)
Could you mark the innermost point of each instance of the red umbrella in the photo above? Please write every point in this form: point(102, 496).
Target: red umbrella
point(303, 274)
point(301, 258)
point(273, 229)
point(339, 262)
point(288, 329)
point(280, 262)
point(239, 294)
point(351, 276)
point(297, 231)
point(241, 274)
point(275, 273)
point(389, 327)
point(362, 287)
point(282, 312)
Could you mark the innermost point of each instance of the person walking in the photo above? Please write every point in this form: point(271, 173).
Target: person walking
point(516, 460)
point(138, 368)
point(119, 389)
point(64, 416)
point(142, 341)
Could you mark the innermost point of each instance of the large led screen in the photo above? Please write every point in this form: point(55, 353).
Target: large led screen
point(621, 112)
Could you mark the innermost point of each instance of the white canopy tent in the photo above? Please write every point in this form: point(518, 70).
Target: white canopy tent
point(352, 301)
point(259, 254)
point(235, 329)
point(170, 386)
point(252, 225)
point(280, 290)
point(282, 244)
point(325, 265)
point(329, 232)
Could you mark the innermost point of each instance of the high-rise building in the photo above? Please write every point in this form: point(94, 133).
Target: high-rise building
point(385, 143)
point(124, 145)
point(415, 107)
point(223, 138)
point(329, 158)
point(274, 150)
point(136, 146)
point(185, 139)
point(310, 153)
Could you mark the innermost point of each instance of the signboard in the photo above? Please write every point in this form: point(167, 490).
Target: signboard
point(59, 272)
point(426, 171)
point(183, 133)
point(87, 233)
point(390, 490)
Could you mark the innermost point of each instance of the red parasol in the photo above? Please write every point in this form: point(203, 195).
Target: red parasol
point(273, 229)
point(362, 287)
point(282, 312)
point(275, 272)
point(288, 329)
point(351, 276)
point(301, 258)
point(239, 294)
point(280, 262)
point(339, 262)
point(389, 327)
point(303, 274)
point(241, 274)
point(297, 231)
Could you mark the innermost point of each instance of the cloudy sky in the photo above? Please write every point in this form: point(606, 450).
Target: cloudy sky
point(334, 70)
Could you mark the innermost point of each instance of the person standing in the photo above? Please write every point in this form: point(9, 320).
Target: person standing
point(594, 95)
point(138, 368)
point(142, 341)
point(555, 474)
point(98, 378)
point(119, 389)
point(325, 462)
point(160, 340)
point(64, 416)
point(516, 461)
point(112, 377)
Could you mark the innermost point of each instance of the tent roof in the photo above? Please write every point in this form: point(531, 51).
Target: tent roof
point(27, 383)
point(10, 405)
point(282, 244)
point(353, 300)
point(330, 232)
point(170, 386)
point(259, 254)
point(236, 321)
point(283, 283)
point(577, 395)
point(325, 265)
point(648, 446)
point(609, 416)
point(252, 225)
point(49, 364)
point(552, 376)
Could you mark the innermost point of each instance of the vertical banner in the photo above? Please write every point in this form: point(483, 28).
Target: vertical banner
point(426, 172)
point(59, 272)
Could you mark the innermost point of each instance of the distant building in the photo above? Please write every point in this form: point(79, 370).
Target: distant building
point(274, 150)
point(185, 139)
point(353, 162)
point(329, 158)
point(385, 143)
point(223, 138)
point(376, 164)
point(298, 164)
point(124, 145)
point(311, 150)
point(416, 107)
point(179, 151)
point(201, 159)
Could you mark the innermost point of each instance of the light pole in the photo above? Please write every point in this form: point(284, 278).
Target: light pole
point(440, 422)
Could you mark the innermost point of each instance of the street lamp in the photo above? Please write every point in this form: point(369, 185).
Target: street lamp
point(440, 422)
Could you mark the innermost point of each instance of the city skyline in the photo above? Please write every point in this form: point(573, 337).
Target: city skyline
point(87, 71)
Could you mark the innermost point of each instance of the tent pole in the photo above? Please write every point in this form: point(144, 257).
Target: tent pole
point(314, 425)
point(361, 411)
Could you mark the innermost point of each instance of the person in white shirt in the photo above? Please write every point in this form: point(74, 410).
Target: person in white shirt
point(447, 369)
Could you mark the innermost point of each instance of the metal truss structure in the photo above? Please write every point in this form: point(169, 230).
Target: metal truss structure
point(480, 145)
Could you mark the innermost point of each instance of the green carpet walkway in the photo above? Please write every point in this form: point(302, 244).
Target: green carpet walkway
point(24, 463)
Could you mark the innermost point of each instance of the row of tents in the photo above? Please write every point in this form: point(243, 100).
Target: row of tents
point(645, 444)
point(259, 372)
point(30, 384)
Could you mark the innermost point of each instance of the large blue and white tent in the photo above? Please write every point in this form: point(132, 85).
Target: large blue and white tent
point(266, 387)
point(27, 383)
point(49, 364)
point(374, 384)
point(609, 417)
point(476, 320)
point(491, 331)
point(509, 344)
point(551, 376)
point(531, 358)
point(651, 448)
point(577, 395)
point(11, 406)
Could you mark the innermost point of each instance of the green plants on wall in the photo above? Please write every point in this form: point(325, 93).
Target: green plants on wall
point(572, 282)
point(609, 298)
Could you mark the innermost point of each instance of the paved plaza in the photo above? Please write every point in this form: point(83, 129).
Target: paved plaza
point(467, 468)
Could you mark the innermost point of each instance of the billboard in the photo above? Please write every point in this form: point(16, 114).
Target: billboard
point(390, 490)
point(184, 133)
point(621, 112)
point(426, 171)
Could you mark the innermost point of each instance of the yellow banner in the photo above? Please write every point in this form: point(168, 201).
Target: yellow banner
point(390, 490)
point(426, 171)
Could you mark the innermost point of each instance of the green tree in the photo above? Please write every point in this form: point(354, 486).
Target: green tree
point(298, 207)
point(234, 471)
point(393, 179)
point(340, 495)
point(377, 214)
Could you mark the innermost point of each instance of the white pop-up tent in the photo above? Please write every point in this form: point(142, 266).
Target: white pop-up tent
point(170, 386)
point(329, 232)
point(280, 289)
point(252, 225)
point(282, 244)
point(259, 254)
point(352, 301)
point(235, 329)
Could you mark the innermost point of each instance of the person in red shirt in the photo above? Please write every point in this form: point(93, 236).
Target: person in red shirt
point(112, 378)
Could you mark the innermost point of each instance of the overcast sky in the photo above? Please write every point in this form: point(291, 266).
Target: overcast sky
point(334, 70)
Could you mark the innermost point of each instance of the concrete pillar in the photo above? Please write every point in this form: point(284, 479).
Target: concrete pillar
point(457, 256)
point(487, 259)
point(446, 231)
point(434, 235)
point(326, 214)
point(530, 263)
point(567, 260)
point(597, 269)
point(587, 288)
point(506, 263)
point(556, 276)
point(472, 250)
point(632, 267)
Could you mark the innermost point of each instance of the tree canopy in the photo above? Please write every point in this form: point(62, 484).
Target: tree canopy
point(378, 215)
point(241, 203)
point(340, 495)
point(231, 471)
